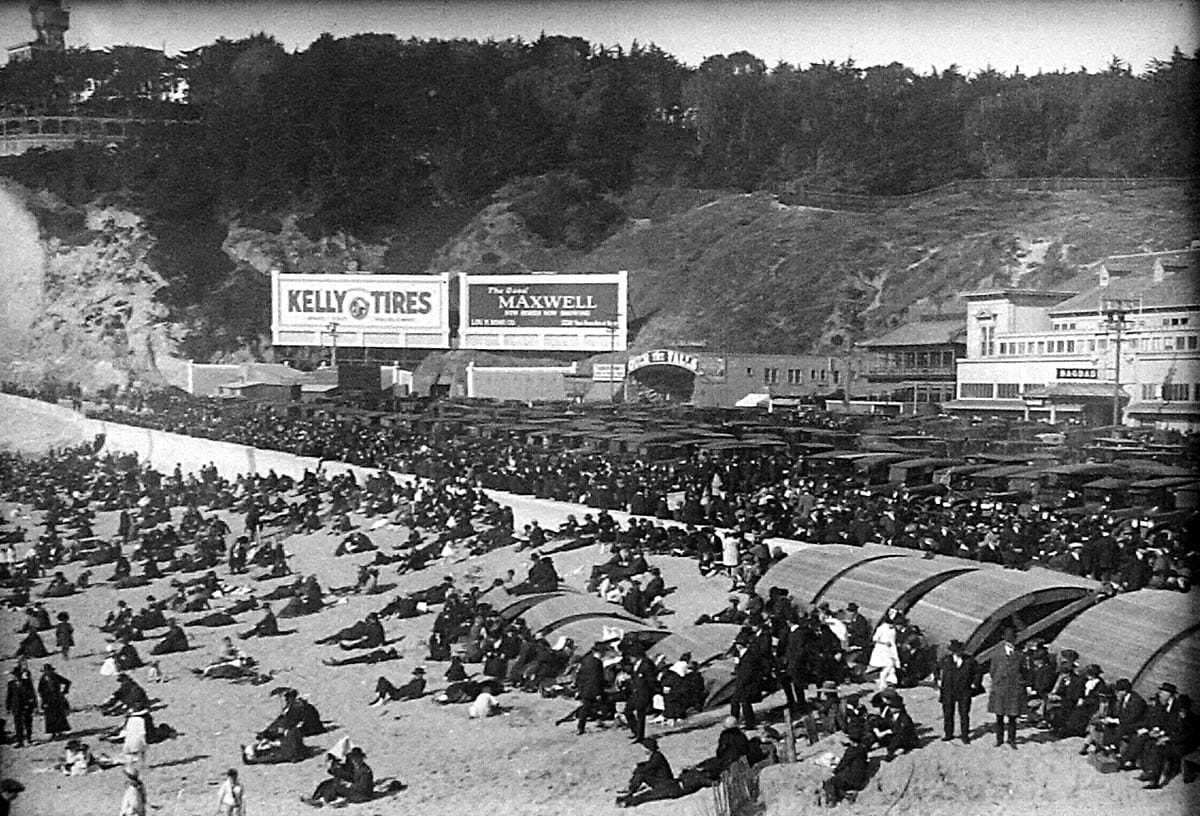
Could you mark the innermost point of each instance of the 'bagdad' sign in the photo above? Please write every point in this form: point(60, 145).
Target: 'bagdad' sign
point(543, 311)
point(388, 311)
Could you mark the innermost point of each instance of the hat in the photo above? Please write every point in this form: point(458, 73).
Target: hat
point(1123, 685)
point(955, 646)
point(1169, 688)
point(651, 743)
point(686, 657)
point(419, 670)
point(1094, 669)
point(10, 786)
point(852, 606)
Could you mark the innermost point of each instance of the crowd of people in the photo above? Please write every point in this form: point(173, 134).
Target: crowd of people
point(169, 526)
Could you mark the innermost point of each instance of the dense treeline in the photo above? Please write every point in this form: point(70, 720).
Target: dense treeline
point(363, 129)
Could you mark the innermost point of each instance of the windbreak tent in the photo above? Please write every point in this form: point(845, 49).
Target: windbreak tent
point(1150, 636)
point(587, 631)
point(891, 583)
point(974, 606)
point(706, 643)
point(510, 606)
point(809, 571)
point(553, 613)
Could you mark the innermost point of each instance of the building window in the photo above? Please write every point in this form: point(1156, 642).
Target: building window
point(975, 390)
point(1192, 341)
point(1196, 392)
point(1008, 390)
point(749, 372)
point(770, 376)
point(1091, 345)
point(837, 376)
point(1041, 347)
point(1150, 391)
point(1180, 342)
point(1033, 386)
point(824, 375)
point(794, 376)
point(1175, 392)
point(987, 341)
point(1070, 347)
point(1102, 344)
point(1060, 346)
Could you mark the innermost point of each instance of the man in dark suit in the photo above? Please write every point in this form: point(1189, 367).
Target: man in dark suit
point(267, 627)
point(589, 685)
point(1130, 711)
point(634, 601)
point(643, 685)
point(958, 678)
point(1158, 745)
point(858, 629)
point(652, 779)
point(746, 689)
point(795, 665)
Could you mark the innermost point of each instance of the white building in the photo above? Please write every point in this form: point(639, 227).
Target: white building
point(1054, 355)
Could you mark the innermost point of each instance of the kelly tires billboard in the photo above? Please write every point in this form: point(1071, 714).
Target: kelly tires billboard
point(360, 311)
point(543, 312)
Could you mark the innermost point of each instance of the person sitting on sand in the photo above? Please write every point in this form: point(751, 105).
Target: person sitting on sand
point(652, 779)
point(412, 690)
point(31, 646)
point(297, 712)
point(267, 626)
point(175, 640)
point(850, 775)
point(350, 780)
point(287, 747)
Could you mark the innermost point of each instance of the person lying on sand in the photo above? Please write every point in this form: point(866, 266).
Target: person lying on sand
point(372, 657)
point(412, 690)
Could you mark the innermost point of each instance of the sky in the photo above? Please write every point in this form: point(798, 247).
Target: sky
point(1033, 35)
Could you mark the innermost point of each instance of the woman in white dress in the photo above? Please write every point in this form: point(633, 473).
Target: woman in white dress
point(884, 655)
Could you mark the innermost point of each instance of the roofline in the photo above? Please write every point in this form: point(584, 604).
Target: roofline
point(1040, 293)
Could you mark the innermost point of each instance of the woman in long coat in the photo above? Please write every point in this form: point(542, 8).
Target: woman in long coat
point(53, 688)
point(1006, 698)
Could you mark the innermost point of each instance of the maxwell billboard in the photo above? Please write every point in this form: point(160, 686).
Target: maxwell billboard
point(543, 311)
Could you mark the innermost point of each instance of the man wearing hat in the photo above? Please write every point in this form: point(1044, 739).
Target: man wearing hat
point(652, 779)
point(958, 679)
point(858, 630)
point(643, 685)
point(1125, 716)
point(21, 701)
point(1007, 697)
point(589, 685)
point(1157, 745)
point(411, 690)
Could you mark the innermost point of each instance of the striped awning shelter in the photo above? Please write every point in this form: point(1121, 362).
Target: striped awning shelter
point(705, 643)
point(881, 584)
point(811, 570)
point(974, 606)
point(1150, 636)
point(553, 613)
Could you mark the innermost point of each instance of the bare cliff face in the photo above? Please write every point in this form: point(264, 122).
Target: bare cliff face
point(80, 297)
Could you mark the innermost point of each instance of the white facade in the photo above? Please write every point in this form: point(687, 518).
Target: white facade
point(1053, 355)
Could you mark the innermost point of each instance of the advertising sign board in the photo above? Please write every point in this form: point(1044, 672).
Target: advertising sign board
point(543, 312)
point(372, 311)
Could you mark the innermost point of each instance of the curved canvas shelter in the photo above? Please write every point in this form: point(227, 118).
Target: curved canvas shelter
point(807, 572)
point(513, 606)
point(552, 613)
point(1150, 636)
point(881, 584)
point(706, 642)
point(587, 631)
point(972, 607)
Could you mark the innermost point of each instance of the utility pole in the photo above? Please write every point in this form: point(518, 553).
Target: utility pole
point(1115, 312)
point(332, 330)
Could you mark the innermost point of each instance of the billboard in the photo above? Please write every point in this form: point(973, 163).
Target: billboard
point(543, 312)
point(360, 311)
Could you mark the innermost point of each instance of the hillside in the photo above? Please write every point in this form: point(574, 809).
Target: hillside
point(740, 272)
